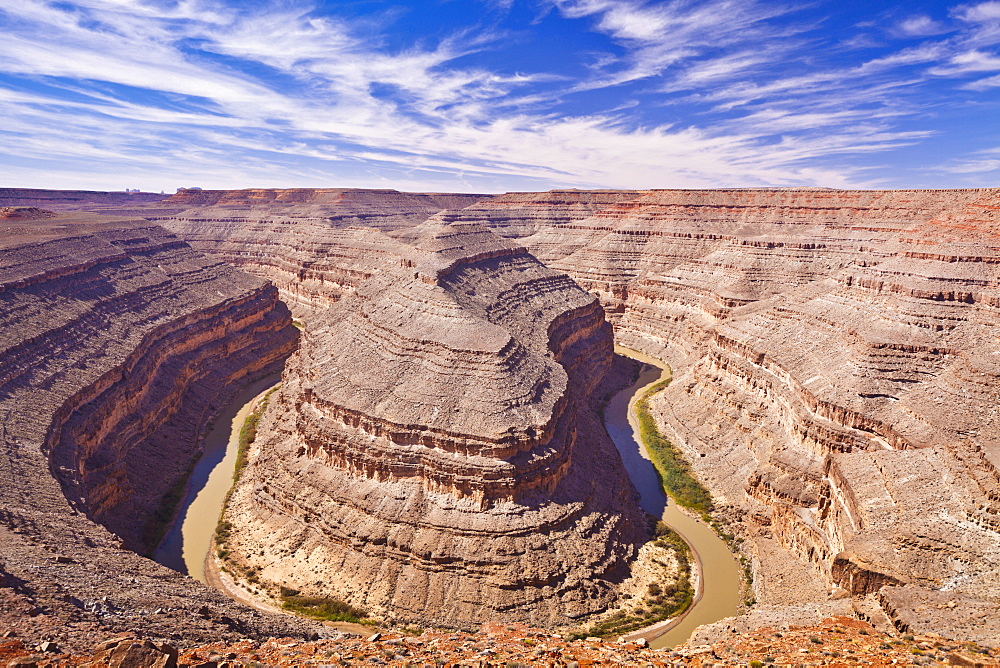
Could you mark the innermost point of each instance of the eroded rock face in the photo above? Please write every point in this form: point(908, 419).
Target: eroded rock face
point(314, 244)
point(837, 371)
point(435, 453)
point(117, 344)
point(835, 357)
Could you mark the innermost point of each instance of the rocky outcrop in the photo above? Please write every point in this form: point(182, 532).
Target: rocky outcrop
point(117, 345)
point(435, 453)
point(24, 213)
point(307, 241)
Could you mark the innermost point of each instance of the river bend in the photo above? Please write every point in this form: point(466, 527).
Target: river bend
point(185, 546)
point(719, 582)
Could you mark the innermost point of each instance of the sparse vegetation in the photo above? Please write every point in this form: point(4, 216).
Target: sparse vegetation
point(678, 481)
point(662, 601)
point(675, 473)
point(248, 434)
point(157, 526)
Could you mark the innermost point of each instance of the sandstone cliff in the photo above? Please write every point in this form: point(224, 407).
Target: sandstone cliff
point(837, 372)
point(434, 452)
point(835, 357)
point(306, 241)
point(117, 343)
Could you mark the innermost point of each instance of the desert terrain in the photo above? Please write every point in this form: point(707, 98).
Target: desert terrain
point(436, 454)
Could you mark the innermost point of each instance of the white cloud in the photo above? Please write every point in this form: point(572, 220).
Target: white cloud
point(919, 26)
point(983, 84)
point(968, 61)
point(983, 22)
point(659, 36)
point(339, 104)
point(975, 167)
point(984, 12)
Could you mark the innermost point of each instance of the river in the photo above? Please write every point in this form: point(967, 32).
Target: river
point(185, 545)
point(719, 586)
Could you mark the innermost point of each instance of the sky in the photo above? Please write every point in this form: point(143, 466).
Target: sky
point(499, 95)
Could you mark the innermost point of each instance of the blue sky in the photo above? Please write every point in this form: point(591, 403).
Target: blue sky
point(498, 95)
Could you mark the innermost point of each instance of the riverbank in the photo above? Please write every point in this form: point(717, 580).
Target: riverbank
point(717, 575)
point(714, 573)
point(242, 436)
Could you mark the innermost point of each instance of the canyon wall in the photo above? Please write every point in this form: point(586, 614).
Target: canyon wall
point(836, 379)
point(117, 344)
point(435, 452)
point(835, 358)
point(314, 244)
point(837, 372)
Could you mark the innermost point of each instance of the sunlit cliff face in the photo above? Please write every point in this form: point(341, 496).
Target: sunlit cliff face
point(817, 338)
point(438, 427)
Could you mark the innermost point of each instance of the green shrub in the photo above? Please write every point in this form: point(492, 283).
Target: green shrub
point(675, 473)
point(248, 434)
point(322, 607)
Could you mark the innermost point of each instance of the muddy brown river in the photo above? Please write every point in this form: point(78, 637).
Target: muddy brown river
point(719, 586)
point(186, 544)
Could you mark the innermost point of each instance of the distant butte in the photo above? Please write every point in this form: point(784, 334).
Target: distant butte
point(836, 382)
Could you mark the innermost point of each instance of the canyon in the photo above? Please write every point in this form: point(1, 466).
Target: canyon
point(118, 344)
point(435, 453)
point(836, 370)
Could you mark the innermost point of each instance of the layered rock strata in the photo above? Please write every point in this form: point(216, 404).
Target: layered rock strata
point(837, 372)
point(835, 358)
point(117, 344)
point(306, 241)
point(434, 453)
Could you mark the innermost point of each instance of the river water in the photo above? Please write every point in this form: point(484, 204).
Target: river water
point(720, 594)
point(185, 546)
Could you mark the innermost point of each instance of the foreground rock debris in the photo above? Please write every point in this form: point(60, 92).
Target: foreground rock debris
point(435, 453)
point(837, 641)
point(836, 385)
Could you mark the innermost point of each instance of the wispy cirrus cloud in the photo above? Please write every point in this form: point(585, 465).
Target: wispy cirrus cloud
point(684, 94)
point(968, 61)
point(920, 25)
point(660, 36)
